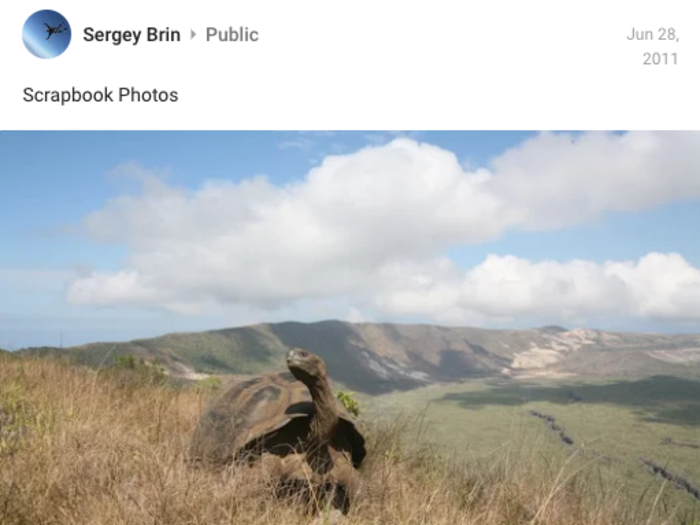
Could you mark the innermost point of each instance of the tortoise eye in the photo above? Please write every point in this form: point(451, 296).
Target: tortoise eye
point(303, 353)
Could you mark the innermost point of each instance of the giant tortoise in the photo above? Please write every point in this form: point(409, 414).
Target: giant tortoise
point(280, 414)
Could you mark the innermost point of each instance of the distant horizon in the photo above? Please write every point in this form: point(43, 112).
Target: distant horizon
point(176, 332)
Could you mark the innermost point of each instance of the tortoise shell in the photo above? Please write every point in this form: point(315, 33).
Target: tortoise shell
point(265, 413)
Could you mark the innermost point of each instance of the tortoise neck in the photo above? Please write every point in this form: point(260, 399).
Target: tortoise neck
point(325, 413)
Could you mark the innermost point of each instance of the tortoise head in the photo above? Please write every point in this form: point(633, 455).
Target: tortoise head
point(305, 366)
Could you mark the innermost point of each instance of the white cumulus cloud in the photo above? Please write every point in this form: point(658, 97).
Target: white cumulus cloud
point(657, 286)
point(372, 228)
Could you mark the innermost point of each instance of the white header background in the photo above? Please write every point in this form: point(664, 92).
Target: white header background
point(365, 64)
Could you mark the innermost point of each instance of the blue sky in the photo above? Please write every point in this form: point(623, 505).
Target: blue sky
point(60, 270)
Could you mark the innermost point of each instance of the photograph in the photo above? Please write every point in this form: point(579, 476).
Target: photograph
point(348, 327)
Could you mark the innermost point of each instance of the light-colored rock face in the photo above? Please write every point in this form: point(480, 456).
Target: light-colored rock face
point(583, 335)
point(681, 356)
point(186, 372)
point(387, 369)
point(560, 344)
point(546, 374)
point(536, 358)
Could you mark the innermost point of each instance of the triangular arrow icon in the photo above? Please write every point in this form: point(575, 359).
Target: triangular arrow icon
point(192, 34)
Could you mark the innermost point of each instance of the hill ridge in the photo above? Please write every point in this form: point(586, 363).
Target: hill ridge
point(380, 357)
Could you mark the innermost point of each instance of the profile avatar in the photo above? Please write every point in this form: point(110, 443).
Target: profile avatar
point(46, 34)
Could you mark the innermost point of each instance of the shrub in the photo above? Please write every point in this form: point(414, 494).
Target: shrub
point(132, 371)
point(349, 402)
point(208, 385)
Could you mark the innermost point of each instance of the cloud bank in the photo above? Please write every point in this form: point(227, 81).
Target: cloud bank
point(371, 228)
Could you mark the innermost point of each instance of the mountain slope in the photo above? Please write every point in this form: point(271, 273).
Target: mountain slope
point(377, 358)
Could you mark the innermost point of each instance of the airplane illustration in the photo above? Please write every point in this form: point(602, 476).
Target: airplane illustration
point(54, 30)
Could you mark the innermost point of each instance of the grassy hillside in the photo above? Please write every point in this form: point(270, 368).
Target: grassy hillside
point(379, 358)
point(77, 447)
point(611, 424)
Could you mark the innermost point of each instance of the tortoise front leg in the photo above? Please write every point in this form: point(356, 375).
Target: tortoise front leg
point(346, 480)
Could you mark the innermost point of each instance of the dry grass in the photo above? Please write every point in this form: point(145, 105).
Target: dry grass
point(81, 448)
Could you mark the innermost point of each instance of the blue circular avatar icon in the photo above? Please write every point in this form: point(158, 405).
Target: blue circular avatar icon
point(46, 34)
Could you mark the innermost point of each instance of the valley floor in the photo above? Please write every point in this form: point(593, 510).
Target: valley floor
point(609, 428)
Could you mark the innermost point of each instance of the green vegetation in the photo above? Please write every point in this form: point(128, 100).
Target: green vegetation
point(208, 385)
point(349, 402)
point(239, 351)
point(17, 419)
point(131, 370)
point(612, 423)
